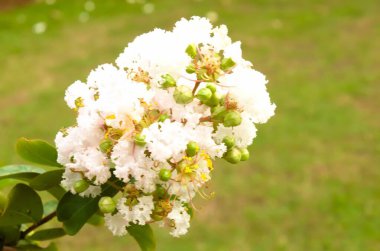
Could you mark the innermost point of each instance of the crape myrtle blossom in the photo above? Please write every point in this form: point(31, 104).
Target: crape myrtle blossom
point(151, 125)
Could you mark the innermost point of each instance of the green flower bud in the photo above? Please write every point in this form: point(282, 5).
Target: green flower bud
point(163, 117)
point(140, 140)
point(168, 81)
point(160, 192)
point(107, 205)
point(214, 100)
point(244, 154)
point(105, 146)
point(212, 87)
point(229, 141)
point(192, 149)
point(227, 63)
point(183, 94)
point(232, 118)
point(191, 50)
point(233, 155)
point(157, 217)
point(218, 113)
point(204, 94)
point(165, 174)
point(80, 186)
point(3, 203)
point(190, 69)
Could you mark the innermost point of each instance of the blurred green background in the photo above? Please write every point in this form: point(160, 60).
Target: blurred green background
point(313, 182)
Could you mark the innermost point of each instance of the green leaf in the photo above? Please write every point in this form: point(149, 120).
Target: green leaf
point(28, 246)
point(57, 192)
point(144, 236)
point(24, 206)
point(37, 151)
point(47, 234)
point(9, 234)
point(50, 206)
point(74, 211)
point(19, 172)
point(96, 220)
point(47, 180)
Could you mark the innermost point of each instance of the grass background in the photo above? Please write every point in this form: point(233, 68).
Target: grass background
point(313, 182)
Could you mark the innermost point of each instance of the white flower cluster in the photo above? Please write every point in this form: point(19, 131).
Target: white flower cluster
point(151, 125)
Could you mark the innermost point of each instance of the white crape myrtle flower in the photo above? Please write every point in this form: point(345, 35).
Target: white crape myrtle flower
point(116, 224)
point(139, 213)
point(149, 127)
point(78, 95)
point(166, 140)
point(249, 87)
point(68, 180)
point(243, 133)
point(180, 218)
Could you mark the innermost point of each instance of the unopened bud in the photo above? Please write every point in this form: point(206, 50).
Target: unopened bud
point(212, 87)
point(244, 154)
point(191, 50)
point(160, 191)
point(165, 174)
point(168, 81)
point(105, 146)
point(214, 100)
point(140, 140)
point(183, 95)
point(227, 63)
point(190, 69)
point(229, 141)
point(218, 113)
point(192, 149)
point(233, 155)
point(80, 186)
point(232, 118)
point(204, 94)
point(107, 205)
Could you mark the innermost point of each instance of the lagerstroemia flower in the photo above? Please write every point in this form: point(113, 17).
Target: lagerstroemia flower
point(152, 124)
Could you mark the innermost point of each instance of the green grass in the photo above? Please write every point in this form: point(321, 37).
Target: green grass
point(313, 181)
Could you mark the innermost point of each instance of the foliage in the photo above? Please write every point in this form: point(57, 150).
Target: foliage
point(22, 212)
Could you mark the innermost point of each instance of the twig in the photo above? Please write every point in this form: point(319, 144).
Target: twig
point(114, 185)
point(37, 224)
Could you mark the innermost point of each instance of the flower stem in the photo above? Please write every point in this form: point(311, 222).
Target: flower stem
point(114, 185)
point(195, 87)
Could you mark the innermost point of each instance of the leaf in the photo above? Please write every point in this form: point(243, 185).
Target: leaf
point(74, 211)
point(37, 151)
point(9, 234)
point(47, 180)
point(19, 172)
point(57, 192)
point(50, 206)
point(47, 234)
point(144, 236)
point(33, 247)
point(24, 206)
point(96, 220)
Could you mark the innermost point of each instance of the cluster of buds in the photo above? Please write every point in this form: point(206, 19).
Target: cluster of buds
point(152, 125)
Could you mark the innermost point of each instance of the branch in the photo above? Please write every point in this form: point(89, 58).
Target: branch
point(37, 224)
